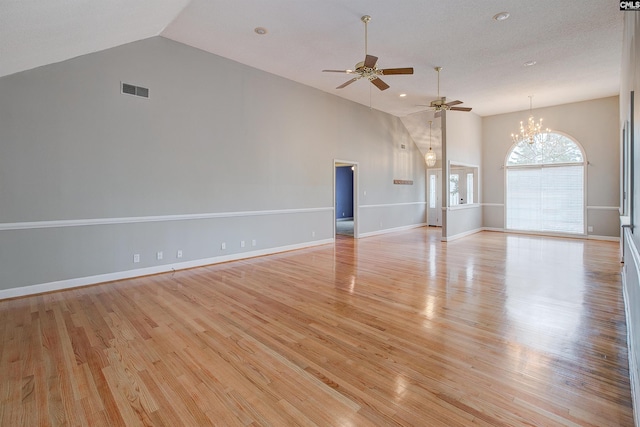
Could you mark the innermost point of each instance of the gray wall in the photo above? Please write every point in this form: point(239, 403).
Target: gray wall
point(462, 144)
point(220, 152)
point(594, 124)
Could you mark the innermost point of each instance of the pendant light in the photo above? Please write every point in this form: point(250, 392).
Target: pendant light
point(430, 157)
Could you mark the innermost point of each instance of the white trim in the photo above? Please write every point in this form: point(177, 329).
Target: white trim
point(157, 218)
point(570, 236)
point(461, 235)
point(355, 166)
point(546, 165)
point(120, 275)
point(634, 378)
point(464, 206)
point(497, 205)
point(393, 204)
point(606, 238)
point(453, 163)
point(605, 208)
point(393, 230)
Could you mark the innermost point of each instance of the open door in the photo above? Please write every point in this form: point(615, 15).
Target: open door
point(434, 201)
point(345, 196)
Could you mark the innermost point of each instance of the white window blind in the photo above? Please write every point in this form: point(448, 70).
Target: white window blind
point(470, 188)
point(546, 198)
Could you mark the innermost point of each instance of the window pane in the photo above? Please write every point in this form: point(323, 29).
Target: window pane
point(454, 192)
point(470, 188)
point(555, 148)
point(432, 191)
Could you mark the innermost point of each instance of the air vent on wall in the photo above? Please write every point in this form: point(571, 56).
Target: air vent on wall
point(135, 90)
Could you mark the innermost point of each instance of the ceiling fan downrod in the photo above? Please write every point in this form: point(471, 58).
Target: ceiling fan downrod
point(366, 19)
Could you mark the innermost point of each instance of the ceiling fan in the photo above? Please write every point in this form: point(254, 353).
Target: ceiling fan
point(441, 103)
point(368, 68)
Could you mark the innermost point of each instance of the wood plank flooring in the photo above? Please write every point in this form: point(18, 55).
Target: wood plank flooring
point(400, 329)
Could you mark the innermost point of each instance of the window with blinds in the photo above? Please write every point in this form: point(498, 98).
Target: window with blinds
point(545, 186)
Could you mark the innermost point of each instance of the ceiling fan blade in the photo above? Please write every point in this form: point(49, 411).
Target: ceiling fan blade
point(370, 61)
point(449, 104)
point(347, 83)
point(391, 71)
point(338, 71)
point(437, 114)
point(380, 84)
point(460, 108)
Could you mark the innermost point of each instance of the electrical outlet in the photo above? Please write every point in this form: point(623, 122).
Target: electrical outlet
point(242, 243)
point(313, 234)
point(223, 246)
point(590, 229)
point(159, 255)
point(179, 253)
point(253, 242)
point(136, 257)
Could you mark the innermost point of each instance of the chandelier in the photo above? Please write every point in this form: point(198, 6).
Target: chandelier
point(533, 131)
point(430, 157)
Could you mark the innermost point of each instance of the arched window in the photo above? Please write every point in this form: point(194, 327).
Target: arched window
point(545, 185)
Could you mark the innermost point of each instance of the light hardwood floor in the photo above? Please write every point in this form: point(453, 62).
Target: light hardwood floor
point(399, 329)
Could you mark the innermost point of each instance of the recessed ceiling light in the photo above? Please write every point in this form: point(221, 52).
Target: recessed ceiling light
point(530, 63)
point(501, 16)
point(260, 30)
point(402, 95)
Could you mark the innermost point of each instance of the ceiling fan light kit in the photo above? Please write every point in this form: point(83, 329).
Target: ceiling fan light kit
point(441, 103)
point(368, 68)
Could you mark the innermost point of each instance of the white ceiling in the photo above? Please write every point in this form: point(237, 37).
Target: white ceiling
point(577, 43)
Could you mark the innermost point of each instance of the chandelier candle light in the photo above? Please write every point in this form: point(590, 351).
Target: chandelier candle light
point(531, 133)
point(430, 157)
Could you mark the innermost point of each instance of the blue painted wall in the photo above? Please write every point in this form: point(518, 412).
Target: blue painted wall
point(344, 192)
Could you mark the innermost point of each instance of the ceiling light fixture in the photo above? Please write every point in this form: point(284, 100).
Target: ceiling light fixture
point(502, 16)
point(402, 95)
point(533, 133)
point(260, 31)
point(530, 63)
point(430, 157)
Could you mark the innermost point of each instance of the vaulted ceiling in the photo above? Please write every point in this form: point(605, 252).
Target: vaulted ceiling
point(576, 44)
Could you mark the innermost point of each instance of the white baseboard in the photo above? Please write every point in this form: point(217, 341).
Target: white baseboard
point(391, 230)
point(571, 236)
point(128, 274)
point(461, 235)
point(606, 238)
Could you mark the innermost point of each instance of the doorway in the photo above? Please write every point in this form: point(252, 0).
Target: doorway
point(345, 195)
point(434, 199)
